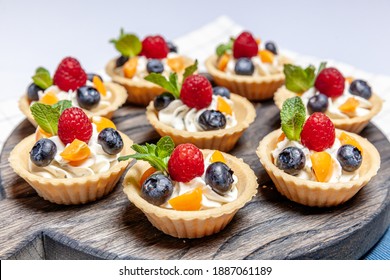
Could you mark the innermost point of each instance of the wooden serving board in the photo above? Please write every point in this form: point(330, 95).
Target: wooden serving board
point(268, 227)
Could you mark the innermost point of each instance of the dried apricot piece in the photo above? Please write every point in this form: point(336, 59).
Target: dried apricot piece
point(349, 79)
point(350, 105)
point(40, 133)
point(281, 137)
point(266, 56)
point(49, 98)
point(176, 63)
point(322, 166)
point(189, 201)
point(102, 123)
point(76, 151)
point(146, 174)
point(99, 85)
point(258, 41)
point(223, 62)
point(223, 106)
point(346, 139)
point(217, 156)
point(130, 67)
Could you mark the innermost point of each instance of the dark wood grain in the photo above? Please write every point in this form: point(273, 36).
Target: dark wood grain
point(269, 227)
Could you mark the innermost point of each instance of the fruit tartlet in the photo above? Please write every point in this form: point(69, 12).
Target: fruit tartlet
point(137, 59)
point(195, 112)
point(71, 82)
point(70, 160)
point(348, 102)
point(187, 192)
point(313, 163)
point(248, 67)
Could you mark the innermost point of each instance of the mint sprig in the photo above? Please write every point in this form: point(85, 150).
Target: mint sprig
point(190, 70)
point(42, 78)
point(127, 44)
point(47, 116)
point(157, 155)
point(299, 80)
point(293, 116)
point(322, 67)
point(222, 48)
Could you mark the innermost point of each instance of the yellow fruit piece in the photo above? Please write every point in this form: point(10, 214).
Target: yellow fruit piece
point(322, 166)
point(40, 133)
point(76, 151)
point(281, 137)
point(49, 98)
point(146, 174)
point(100, 87)
point(130, 67)
point(346, 139)
point(223, 106)
point(189, 201)
point(176, 63)
point(266, 56)
point(258, 41)
point(223, 62)
point(217, 156)
point(349, 79)
point(350, 105)
point(102, 123)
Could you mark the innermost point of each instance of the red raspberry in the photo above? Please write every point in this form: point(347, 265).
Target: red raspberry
point(196, 92)
point(185, 163)
point(330, 82)
point(318, 132)
point(245, 46)
point(74, 123)
point(155, 47)
point(69, 75)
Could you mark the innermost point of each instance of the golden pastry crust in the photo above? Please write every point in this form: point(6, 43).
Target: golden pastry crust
point(354, 124)
point(117, 99)
point(73, 190)
point(251, 87)
point(222, 139)
point(312, 193)
point(192, 224)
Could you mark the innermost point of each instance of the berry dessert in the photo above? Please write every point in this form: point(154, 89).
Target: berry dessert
point(248, 66)
point(311, 162)
point(195, 112)
point(71, 82)
point(348, 102)
point(139, 58)
point(187, 192)
point(71, 159)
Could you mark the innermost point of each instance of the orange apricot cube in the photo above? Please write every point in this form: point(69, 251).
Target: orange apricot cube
point(223, 62)
point(346, 139)
point(350, 105)
point(130, 67)
point(223, 106)
point(266, 56)
point(217, 156)
point(102, 123)
point(100, 87)
point(322, 164)
point(146, 174)
point(189, 201)
point(49, 98)
point(76, 151)
point(176, 63)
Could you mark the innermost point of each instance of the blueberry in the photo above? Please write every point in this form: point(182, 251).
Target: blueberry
point(111, 141)
point(271, 46)
point(219, 177)
point(157, 189)
point(32, 92)
point(91, 75)
point(212, 120)
point(154, 66)
point(43, 152)
point(172, 47)
point(163, 100)
point(222, 91)
point(208, 77)
point(360, 88)
point(291, 160)
point(121, 60)
point(349, 157)
point(244, 66)
point(87, 97)
point(317, 103)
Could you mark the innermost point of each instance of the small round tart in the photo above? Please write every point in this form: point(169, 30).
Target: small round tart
point(312, 193)
point(139, 91)
point(116, 100)
point(221, 139)
point(68, 190)
point(251, 87)
point(192, 224)
point(353, 124)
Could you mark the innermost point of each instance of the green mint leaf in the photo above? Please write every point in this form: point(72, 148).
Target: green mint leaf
point(174, 82)
point(42, 78)
point(322, 67)
point(299, 80)
point(123, 158)
point(127, 44)
point(190, 70)
point(151, 148)
point(165, 147)
point(222, 48)
point(155, 161)
point(293, 116)
point(161, 81)
point(62, 105)
point(140, 149)
point(46, 116)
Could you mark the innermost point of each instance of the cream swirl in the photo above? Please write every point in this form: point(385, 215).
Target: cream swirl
point(180, 116)
point(97, 162)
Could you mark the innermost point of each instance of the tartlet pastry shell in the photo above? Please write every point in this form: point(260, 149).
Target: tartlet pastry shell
point(192, 224)
point(312, 193)
point(118, 98)
point(355, 124)
point(222, 139)
point(68, 191)
point(251, 87)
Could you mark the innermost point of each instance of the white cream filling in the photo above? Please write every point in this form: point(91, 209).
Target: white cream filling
point(182, 117)
point(97, 162)
point(338, 174)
